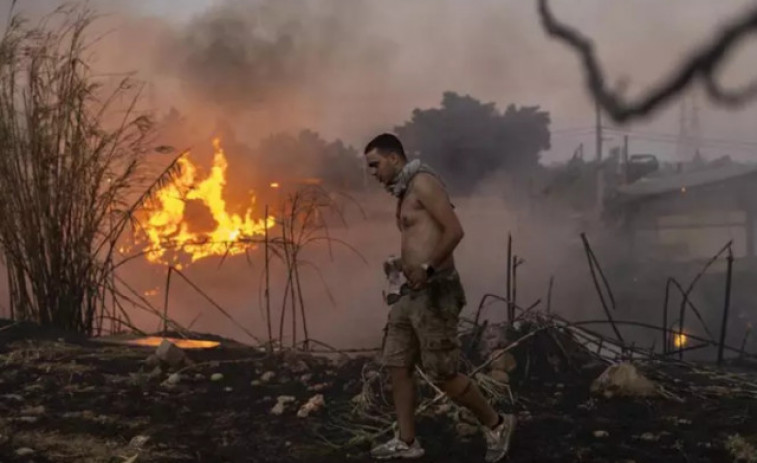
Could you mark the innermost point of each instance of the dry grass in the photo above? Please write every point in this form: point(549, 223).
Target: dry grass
point(73, 447)
point(72, 158)
point(741, 449)
point(303, 222)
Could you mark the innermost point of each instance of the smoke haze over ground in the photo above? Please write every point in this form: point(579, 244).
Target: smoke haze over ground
point(351, 69)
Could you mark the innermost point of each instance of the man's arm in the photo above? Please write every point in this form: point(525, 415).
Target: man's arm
point(434, 199)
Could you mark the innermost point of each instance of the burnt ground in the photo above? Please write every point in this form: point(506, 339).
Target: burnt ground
point(65, 399)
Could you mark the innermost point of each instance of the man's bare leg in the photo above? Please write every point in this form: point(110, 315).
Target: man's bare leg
point(403, 392)
point(465, 392)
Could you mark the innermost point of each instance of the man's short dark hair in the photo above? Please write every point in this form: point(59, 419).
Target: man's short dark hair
point(386, 143)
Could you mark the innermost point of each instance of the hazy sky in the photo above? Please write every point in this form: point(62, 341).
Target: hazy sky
point(351, 68)
point(180, 10)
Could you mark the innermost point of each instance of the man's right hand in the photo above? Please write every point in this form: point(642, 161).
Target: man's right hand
point(392, 265)
point(416, 276)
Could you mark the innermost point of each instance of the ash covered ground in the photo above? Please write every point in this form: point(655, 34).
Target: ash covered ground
point(65, 398)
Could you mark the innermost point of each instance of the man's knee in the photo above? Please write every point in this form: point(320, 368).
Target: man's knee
point(456, 386)
point(400, 372)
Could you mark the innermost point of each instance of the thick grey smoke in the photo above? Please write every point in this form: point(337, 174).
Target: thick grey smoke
point(350, 69)
point(244, 55)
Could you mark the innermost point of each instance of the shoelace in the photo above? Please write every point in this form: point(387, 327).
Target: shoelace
point(491, 435)
point(397, 444)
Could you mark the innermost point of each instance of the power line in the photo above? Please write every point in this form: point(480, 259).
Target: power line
point(573, 134)
point(672, 137)
point(567, 130)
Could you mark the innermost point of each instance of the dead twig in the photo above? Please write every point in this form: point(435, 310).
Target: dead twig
point(592, 262)
point(501, 352)
point(217, 306)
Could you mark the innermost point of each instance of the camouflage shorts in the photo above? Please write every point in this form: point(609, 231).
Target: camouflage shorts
point(422, 326)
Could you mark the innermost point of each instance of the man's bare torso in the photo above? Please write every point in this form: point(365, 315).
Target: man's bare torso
point(420, 232)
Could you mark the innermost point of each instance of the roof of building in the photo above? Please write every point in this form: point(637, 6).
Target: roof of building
point(650, 186)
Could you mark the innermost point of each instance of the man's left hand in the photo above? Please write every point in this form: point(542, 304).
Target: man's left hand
point(416, 276)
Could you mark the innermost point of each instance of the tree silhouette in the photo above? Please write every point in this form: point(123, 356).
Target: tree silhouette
point(307, 155)
point(466, 140)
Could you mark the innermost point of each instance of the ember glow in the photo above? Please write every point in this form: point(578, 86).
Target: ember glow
point(170, 236)
point(679, 340)
point(154, 341)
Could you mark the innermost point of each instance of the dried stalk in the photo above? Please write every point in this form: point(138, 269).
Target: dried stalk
point(301, 226)
point(268, 287)
point(216, 305)
point(71, 157)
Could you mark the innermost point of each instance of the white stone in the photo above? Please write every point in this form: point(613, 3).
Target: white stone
point(500, 376)
point(138, 441)
point(649, 437)
point(281, 403)
point(623, 380)
point(314, 404)
point(169, 353)
point(503, 361)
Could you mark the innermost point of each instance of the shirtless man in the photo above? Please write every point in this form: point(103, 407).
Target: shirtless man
point(423, 321)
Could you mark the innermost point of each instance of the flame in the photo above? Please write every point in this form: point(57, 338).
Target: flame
point(154, 341)
point(679, 340)
point(169, 234)
point(274, 184)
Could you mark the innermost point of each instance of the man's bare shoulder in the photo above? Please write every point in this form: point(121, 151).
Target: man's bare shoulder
point(426, 184)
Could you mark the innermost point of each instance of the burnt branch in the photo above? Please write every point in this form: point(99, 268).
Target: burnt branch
point(702, 64)
point(729, 97)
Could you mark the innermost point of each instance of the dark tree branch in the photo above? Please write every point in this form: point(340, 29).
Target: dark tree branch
point(702, 64)
point(729, 97)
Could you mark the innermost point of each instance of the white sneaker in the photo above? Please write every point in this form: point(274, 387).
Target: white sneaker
point(498, 439)
point(397, 448)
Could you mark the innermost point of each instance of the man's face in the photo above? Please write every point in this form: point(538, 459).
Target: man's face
point(382, 167)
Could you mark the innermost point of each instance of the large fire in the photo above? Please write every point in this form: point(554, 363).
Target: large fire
point(170, 235)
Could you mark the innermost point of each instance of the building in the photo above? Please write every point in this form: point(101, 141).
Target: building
point(689, 216)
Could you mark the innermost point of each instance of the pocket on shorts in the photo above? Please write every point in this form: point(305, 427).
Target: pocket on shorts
point(447, 296)
point(440, 356)
point(440, 342)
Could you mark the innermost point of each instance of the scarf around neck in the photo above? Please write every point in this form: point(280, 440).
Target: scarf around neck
point(401, 181)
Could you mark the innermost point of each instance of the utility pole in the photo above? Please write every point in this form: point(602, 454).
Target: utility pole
point(625, 159)
point(600, 172)
point(696, 132)
point(683, 136)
